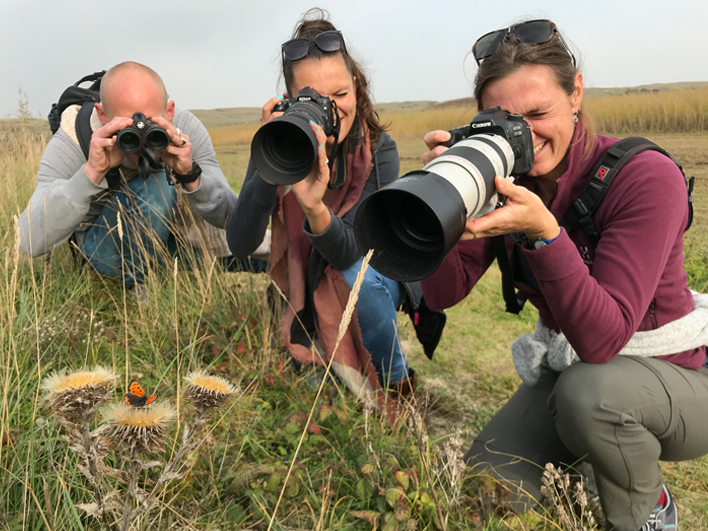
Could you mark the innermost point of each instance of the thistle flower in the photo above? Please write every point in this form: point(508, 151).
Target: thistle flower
point(74, 397)
point(137, 429)
point(206, 392)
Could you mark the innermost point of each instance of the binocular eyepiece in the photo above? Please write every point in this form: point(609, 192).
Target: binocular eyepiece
point(142, 134)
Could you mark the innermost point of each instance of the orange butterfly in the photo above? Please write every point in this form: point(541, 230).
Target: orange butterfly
point(136, 396)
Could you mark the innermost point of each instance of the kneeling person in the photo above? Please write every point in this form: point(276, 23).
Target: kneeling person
point(74, 195)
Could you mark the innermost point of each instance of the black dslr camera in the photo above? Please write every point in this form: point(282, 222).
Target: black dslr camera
point(512, 127)
point(285, 149)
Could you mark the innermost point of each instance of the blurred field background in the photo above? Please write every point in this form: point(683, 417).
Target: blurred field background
point(56, 315)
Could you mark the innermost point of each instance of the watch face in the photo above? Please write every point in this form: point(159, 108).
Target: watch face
point(539, 243)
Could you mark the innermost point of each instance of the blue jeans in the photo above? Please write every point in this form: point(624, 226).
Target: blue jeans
point(146, 212)
point(379, 299)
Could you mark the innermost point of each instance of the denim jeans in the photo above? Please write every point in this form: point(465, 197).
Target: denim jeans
point(146, 212)
point(378, 301)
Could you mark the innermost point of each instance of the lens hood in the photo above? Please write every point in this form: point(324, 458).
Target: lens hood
point(284, 150)
point(411, 224)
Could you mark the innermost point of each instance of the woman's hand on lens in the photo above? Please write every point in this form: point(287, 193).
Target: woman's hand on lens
point(433, 140)
point(267, 113)
point(523, 211)
point(311, 190)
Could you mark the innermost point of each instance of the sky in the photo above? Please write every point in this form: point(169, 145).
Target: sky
point(226, 53)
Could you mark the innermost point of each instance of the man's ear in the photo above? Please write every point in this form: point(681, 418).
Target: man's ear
point(101, 114)
point(170, 111)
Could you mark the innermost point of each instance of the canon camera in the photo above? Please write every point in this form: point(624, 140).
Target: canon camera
point(414, 222)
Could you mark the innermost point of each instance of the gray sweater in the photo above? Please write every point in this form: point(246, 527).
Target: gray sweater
point(66, 201)
point(249, 221)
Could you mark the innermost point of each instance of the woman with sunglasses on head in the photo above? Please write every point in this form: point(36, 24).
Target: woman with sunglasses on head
point(314, 258)
point(621, 413)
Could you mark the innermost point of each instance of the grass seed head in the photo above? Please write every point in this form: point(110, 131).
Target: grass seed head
point(75, 396)
point(207, 392)
point(136, 429)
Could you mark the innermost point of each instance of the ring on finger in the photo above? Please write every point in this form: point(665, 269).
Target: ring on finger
point(179, 134)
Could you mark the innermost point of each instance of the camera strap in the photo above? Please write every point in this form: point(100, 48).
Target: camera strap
point(579, 214)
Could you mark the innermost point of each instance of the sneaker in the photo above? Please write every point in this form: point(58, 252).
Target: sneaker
point(663, 516)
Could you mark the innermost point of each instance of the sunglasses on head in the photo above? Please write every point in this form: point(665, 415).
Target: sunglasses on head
point(327, 41)
point(537, 31)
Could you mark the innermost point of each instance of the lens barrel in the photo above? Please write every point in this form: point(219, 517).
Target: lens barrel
point(284, 150)
point(156, 138)
point(129, 140)
point(414, 222)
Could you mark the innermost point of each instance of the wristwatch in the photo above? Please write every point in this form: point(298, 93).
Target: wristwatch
point(190, 177)
point(541, 242)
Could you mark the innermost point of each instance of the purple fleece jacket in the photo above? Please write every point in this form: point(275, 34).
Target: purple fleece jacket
point(598, 297)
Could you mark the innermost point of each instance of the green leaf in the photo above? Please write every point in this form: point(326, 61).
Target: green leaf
point(368, 468)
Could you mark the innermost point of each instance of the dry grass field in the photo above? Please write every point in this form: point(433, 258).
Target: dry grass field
point(351, 469)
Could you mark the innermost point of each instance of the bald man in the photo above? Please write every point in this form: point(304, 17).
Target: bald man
point(73, 195)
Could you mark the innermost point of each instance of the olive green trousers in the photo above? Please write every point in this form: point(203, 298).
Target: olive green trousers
point(622, 417)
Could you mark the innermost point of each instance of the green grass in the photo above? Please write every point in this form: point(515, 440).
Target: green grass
point(58, 315)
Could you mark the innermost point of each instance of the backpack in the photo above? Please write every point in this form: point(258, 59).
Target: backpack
point(579, 214)
point(86, 98)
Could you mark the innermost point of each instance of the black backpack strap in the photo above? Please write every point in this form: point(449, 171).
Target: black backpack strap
point(581, 212)
point(514, 303)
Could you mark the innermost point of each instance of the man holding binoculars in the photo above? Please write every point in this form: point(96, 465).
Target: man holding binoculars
point(118, 200)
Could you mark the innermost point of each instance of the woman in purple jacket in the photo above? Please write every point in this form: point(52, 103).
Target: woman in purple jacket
point(616, 305)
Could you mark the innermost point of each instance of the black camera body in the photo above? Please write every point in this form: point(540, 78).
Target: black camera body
point(143, 133)
point(284, 150)
point(320, 109)
point(512, 127)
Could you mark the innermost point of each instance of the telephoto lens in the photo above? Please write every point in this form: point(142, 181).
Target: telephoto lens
point(284, 150)
point(414, 222)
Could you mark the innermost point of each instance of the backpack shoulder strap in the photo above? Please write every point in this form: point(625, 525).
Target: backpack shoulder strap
point(514, 301)
point(580, 213)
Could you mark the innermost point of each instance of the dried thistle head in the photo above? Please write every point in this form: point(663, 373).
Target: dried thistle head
point(74, 397)
point(136, 429)
point(207, 392)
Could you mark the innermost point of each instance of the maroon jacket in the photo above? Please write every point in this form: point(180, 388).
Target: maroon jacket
point(598, 296)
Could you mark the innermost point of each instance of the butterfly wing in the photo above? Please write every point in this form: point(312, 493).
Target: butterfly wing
point(150, 399)
point(135, 388)
point(136, 396)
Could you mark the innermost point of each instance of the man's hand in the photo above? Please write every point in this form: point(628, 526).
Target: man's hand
point(103, 154)
point(178, 154)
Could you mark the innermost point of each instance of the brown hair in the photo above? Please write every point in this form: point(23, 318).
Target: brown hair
point(512, 54)
point(314, 22)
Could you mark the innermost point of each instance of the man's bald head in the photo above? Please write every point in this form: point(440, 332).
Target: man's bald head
point(132, 87)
